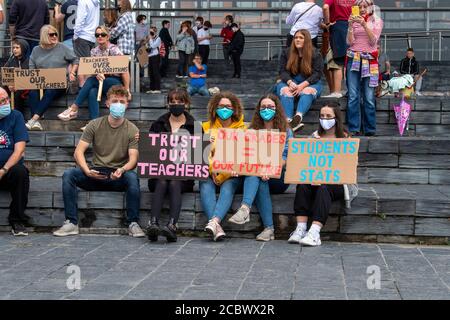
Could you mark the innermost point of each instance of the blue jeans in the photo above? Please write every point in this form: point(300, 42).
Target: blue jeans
point(90, 91)
point(256, 190)
point(40, 106)
point(75, 177)
point(203, 91)
point(358, 86)
point(304, 101)
point(212, 206)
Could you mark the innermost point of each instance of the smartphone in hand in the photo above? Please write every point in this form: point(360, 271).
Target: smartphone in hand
point(355, 11)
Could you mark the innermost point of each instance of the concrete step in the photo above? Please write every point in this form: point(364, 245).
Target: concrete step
point(410, 160)
point(380, 210)
point(430, 116)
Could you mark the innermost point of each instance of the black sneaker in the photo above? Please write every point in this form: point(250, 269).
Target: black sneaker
point(370, 134)
point(18, 229)
point(170, 232)
point(153, 230)
point(296, 123)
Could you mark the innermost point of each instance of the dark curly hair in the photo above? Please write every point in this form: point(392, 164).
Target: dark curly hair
point(279, 121)
point(214, 103)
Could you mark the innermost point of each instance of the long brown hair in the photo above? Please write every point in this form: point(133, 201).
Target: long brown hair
point(126, 7)
point(301, 65)
point(214, 103)
point(340, 130)
point(279, 121)
point(189, 29)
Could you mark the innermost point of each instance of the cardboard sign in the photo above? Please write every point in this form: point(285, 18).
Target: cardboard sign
point(249, 152)
point(322, 161)
point(172, 156)
point(40, 79)
point(105, 65)
point(7, 77)
point(142, 56)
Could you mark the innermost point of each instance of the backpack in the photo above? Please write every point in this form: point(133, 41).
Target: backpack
point(162, 50)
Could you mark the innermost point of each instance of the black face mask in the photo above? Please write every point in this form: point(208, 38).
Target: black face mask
point(176, 109)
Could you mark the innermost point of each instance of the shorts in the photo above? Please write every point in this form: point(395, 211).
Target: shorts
point(338, 41)
point(330, 62)
point(82, 48)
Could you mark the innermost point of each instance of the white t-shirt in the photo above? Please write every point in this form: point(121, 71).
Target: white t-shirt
point(310, 21)
point(201, 34)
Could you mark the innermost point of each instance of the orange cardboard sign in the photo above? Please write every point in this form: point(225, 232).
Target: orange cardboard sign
point(142, 56)
point(249, 152)
point(7, 76)
point(40, 79)
point(105, 65)
point(322, 161)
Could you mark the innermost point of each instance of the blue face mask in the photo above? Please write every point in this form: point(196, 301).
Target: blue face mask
point(5, 110)
point(267, 114)
point(224, 113)
point(117, 110)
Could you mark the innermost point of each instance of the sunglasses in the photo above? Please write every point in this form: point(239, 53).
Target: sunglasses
point(103, 35)
point(53, 34)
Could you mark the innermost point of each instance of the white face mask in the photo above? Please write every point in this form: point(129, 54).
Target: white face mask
point(327, 124)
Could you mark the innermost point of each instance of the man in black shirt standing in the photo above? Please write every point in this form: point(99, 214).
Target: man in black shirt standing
point(410, 65)
point(168, 43)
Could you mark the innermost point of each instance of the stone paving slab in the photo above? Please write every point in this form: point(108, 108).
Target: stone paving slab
point(120, 267)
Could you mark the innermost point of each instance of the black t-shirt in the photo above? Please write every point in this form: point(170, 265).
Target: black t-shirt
point(69, 9)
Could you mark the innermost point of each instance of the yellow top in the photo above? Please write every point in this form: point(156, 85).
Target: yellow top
point(207, 128)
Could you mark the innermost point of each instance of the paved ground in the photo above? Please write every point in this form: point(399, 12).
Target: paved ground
point(119, 267)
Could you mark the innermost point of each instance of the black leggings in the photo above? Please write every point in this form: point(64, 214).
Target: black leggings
point(175, 189)
point(315, 201)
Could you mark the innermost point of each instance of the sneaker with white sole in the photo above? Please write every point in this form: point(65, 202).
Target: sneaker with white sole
point(83, 128)
point(68, 114)
point(336, 95)
point(68, 229)
point(215, 230)
point(297, 235)
point(18, 229)
point(267, 234)
point(34, 125)
point(241, 216)
point(135, 230)
point(296, 123)
point(311, 240)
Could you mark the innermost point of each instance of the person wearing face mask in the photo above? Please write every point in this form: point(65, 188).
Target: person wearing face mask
point(115, 156)
point(300, 72)
point(198, 24)
point(154, 60)
point(204, 41)
point(178, 119)
point(314, 201)
point(236, 49)
point(362, 69)
point(224, 111)
point(14, 176)
point(269, 115)
point(89, 90)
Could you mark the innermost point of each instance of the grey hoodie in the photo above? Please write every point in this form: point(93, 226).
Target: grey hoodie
point(88, 19)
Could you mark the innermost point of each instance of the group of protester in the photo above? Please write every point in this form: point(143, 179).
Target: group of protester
point(114, 139)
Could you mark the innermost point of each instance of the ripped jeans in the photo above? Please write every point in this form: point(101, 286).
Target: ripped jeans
point(304, 101)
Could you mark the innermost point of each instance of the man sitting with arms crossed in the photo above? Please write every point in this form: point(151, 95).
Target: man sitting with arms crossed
point(115, 155)
point(13, 174)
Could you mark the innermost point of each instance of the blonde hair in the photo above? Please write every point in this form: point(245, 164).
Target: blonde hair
point(44, 41)
point(103, 29)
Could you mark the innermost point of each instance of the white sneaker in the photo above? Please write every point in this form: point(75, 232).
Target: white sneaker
point(311, 240)
point(179, 77)
point(266, 235)
point(336, 95)
point(68, 114)
point(68, 229)
point(297, 235)
point(241, 216)
point(419, 94)
point(34, 125)
point(135, 230)
point(215, 230)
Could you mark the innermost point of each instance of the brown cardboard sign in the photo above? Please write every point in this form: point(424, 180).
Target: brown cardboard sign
point(7, 76)
point(104, 65)
point(322, 161)
point(249, 152)
point(142, 56)
point(40, 79)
